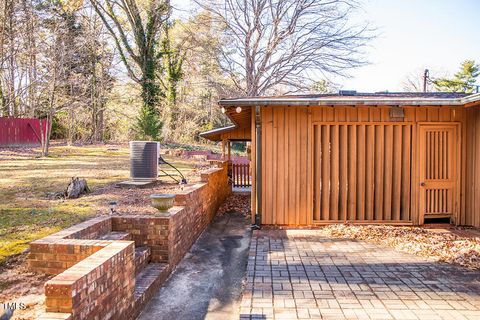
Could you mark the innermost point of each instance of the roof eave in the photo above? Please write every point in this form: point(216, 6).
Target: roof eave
point(334, 102)
point(217, 131)
point(472, 100)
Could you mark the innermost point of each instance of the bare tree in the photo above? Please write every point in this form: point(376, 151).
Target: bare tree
point(18, 56)
point(414, 81)
point(271, 43)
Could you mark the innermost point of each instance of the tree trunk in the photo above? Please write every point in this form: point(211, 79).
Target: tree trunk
point(71, 125)
point(12, 107)
point(46, 133)
point(99, 125)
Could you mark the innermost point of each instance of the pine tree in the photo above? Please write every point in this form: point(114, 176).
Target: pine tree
point(148, 125)
point(462, 81)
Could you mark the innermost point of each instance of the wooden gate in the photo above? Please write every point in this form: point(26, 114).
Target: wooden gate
point(241, 175)
point(438, 162)
point(362, 172)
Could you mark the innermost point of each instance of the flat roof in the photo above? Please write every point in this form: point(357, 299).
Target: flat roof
point(218, 131)
point(354, 98)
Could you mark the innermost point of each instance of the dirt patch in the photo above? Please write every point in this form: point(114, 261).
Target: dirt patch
point(23, 287)
point(136, 201)
point(444, 246)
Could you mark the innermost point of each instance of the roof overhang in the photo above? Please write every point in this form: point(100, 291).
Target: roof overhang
point(212, 134)
point(231, 133)
point(470, 100)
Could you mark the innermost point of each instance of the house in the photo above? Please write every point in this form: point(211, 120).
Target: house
point(390, 158)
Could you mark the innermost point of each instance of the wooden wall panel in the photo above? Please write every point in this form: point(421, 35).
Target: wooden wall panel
point(392, 187)
point(237, 134)
point(285, 167)
point(289, 174)
point(471, 214)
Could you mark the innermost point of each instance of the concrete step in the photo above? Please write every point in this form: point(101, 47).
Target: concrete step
point(142, 258)
point(116, 235)
point(147, 282)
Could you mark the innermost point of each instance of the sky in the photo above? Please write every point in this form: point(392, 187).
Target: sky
point(412, 35)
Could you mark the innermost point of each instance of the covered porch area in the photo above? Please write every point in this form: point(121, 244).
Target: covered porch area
point(241, 169)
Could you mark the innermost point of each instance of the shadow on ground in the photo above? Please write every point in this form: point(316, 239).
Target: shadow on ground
point(207, 284)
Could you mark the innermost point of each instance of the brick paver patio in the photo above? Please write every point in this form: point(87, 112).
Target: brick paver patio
point(299, 274)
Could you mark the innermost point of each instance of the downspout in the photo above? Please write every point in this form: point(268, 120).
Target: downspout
point(258, 163)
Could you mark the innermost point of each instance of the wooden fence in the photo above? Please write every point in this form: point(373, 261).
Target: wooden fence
point(20, 131)
point(240, 173)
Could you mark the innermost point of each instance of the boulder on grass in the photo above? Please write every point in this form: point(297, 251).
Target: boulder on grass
point(76, 188)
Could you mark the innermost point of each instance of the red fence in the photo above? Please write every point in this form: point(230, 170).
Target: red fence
point(20, 131)
point(241, 174)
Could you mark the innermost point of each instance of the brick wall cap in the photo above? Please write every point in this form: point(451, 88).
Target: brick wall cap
point(193, 188)
point(55, 316)
point(92, 262)
point(174, 210)
point(66, 233)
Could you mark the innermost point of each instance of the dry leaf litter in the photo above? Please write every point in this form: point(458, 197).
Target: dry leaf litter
point(440, 245)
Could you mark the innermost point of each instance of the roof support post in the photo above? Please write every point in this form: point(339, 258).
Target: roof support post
point(229, 149)
point(223, 149)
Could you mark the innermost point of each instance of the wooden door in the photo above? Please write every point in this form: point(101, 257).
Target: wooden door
point(439, 158)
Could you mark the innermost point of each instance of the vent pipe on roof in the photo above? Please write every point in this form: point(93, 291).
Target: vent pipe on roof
point(426, 77)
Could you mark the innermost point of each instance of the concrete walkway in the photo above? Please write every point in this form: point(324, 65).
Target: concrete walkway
point(299, 274)
point(207, 284)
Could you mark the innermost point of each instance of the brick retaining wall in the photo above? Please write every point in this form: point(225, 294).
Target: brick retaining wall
point(60, 251)
point(97, 277)
point(99, 287)
point(200, 204)
point(150, 231)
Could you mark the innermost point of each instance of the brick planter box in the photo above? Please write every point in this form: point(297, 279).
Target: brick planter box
point(95, 261)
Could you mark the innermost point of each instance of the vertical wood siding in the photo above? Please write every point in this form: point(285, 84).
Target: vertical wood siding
point(354, 144)
point(284, 165)
point(472, 169)
point(363, 173)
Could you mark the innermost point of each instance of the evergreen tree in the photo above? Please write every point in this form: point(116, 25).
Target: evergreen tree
point(462, 81)
point(148, 125)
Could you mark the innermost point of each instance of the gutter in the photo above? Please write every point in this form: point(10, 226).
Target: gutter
point(258, 169)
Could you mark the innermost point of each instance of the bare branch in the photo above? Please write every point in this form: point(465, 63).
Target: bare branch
point(277, 43)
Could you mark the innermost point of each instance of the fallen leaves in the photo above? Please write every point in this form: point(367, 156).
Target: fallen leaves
point(440, 245)
point(236, 202)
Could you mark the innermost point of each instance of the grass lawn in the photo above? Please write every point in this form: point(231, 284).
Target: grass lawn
point(27, 213)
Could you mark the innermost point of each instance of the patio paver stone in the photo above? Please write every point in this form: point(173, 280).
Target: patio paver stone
point(300, 274)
